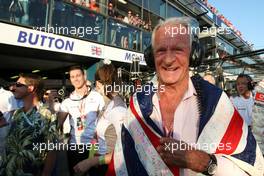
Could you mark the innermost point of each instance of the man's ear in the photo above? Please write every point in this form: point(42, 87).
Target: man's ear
point(85, 74)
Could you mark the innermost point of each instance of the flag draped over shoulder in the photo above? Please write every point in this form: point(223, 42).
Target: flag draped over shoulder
point(220, 124)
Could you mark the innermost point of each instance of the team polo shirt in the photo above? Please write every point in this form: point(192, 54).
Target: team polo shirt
point(83, 113)
point(244, 107)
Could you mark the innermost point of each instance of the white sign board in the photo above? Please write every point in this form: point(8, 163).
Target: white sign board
point(24, 37)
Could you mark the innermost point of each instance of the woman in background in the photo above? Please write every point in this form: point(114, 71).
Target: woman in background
point(108, 127)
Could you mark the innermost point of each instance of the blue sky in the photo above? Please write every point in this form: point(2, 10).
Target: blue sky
point(247, 16)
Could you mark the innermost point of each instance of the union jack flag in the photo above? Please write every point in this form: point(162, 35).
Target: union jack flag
point(96, 50)
point(220, 123)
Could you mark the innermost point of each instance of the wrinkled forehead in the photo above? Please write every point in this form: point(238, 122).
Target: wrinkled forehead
point(176, 33)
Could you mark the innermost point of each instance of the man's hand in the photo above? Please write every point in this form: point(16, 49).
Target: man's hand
point(180, 154)
point(84, 165)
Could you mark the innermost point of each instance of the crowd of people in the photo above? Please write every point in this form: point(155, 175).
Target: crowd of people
point(182, 126)
point(130, 18)
point(92, 4)
point(17, 10)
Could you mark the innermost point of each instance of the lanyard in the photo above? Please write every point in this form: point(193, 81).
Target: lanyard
point(82, 107)
point(82, 103)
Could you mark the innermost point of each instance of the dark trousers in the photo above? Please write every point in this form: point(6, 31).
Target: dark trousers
point(98, 171)
point(74, 157)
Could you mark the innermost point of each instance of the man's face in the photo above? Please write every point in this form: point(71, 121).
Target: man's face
point(171, 53)
point(21, 89)
point(110, 6)
point(77, 78)
point(242, 85)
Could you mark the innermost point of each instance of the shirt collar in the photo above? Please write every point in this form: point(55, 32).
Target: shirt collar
point(190, 91)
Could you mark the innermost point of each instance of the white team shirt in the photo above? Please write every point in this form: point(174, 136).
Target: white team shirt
point(114, 114)
point(244, 107)
point(82, 115)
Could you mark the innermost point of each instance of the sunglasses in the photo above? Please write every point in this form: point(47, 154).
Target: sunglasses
point(18, 84)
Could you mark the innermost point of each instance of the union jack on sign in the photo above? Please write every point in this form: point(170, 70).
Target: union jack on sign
point(96, 50)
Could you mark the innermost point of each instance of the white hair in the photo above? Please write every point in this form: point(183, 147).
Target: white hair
point(190, 23)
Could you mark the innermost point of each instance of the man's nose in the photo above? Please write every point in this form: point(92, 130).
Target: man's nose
point(12, 88)
point(169, 57)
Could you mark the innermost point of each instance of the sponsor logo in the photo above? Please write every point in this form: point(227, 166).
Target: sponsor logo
point(259, 97)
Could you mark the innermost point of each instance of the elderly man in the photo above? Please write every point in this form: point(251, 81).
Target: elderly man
point(187, 126)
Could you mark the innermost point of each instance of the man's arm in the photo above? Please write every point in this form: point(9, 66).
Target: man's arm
point(61, 118)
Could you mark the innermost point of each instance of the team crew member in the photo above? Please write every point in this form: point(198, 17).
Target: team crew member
point(244, 102)
point(82, 106)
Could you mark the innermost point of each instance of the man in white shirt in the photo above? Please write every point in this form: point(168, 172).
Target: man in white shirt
point(244, 102)
point(183, 126)
point(8, 104)
point(82, 107)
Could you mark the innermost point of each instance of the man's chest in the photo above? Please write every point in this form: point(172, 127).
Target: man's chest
point(83, 106)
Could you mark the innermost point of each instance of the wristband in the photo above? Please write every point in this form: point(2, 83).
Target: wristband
point(92, 151)
point(101, 160)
